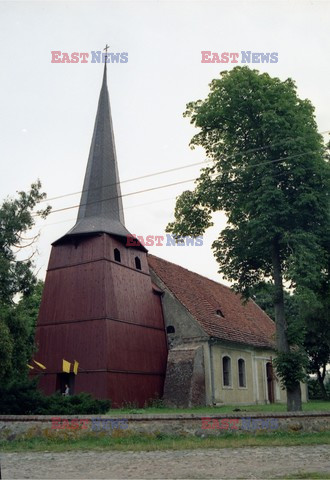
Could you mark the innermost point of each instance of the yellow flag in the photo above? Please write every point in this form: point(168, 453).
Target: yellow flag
point(30, 366)
point(75, 367)
point(40, 365)
point(66, 366)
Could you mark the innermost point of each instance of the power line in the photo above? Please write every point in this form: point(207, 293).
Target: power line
point(173, 184)
point(120, 196)
point(126, 208)
point(162, 172)
point(121, 209)
point(128, 180)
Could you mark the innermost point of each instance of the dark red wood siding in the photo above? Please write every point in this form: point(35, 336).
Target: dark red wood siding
point(105, 315)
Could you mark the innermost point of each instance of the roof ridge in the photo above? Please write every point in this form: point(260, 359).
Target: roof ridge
point(195, 273)
point(250, 299)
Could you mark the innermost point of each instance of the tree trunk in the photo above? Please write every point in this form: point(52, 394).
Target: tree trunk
point(294, 398)
point(280, 321)
point(294, 393)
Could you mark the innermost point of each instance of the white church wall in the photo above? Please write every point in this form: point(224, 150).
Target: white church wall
point(232, 393)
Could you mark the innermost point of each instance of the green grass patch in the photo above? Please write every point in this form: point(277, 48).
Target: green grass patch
point(126, 441)
point(315, 405)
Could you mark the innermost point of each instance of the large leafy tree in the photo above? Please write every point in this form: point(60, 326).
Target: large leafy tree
point(308, 324)
point(317, 338)
point(269, 175)
point(20, 292)
point(21, 320)
point(263, 294)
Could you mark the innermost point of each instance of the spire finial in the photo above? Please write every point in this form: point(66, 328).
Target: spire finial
point(106, 52)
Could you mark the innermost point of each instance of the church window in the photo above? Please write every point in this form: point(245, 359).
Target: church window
point(170, 329)
point(226, 370)
point(117, 255)
point(219, 313)
point(241, 373)
point(138, 263)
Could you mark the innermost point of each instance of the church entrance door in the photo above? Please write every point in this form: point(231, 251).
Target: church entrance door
point(270, 382)
point(64, 379)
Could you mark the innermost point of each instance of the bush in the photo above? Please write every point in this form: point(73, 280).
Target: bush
point(314, 390)
point(83, 404)
point(20, 398)
point(155, 402)
point(23, 398)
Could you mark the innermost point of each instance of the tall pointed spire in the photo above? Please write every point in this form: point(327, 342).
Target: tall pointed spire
point(101, 208)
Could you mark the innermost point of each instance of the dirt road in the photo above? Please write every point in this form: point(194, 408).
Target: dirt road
point(248, 463)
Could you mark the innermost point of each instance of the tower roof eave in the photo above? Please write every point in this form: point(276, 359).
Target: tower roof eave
point(96, 226)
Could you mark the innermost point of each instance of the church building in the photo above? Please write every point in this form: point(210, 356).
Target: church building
point(122, 324)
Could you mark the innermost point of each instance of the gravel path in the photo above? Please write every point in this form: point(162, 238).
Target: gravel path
point(226, 463)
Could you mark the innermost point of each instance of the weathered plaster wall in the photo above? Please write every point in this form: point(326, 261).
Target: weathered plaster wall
point(256, 379)
point(187, 381)
point(176, 315)
point(232, 393)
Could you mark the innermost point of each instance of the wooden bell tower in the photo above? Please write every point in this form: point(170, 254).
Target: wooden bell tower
point(99, 306)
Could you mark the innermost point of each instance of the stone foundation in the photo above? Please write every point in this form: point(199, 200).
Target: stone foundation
point(19, 427)
point(185, 377)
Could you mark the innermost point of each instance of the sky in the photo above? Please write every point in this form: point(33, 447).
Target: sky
point(48, 109)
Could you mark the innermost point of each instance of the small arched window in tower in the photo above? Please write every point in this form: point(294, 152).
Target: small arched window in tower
point(138, 263)
point(241, 373)
point(226, 371)
point(170, 329)
point(219, 313)
point(117, 255)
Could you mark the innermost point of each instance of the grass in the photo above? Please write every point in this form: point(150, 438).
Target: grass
point(126, 441)
point(315, 405)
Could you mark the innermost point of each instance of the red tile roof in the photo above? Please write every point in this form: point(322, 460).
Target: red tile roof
point(202, 297)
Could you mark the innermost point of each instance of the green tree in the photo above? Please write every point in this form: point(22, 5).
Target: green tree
point(270, 177)
point(263, 294)
point(22, 324)
point(308, 325)
point(317, 319)
point(6, 350)
point(20, 292)
point(317, 338)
